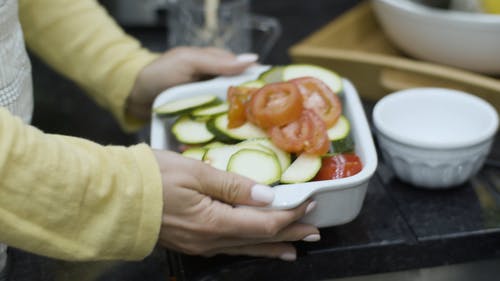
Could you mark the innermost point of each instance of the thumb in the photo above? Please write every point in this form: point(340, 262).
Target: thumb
point(216, 64)
point(234, 189)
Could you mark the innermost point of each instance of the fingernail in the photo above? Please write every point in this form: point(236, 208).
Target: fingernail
point(311, 207)
point(247, 57)
point(262, 193)
point(289, 256)
point(312, 238)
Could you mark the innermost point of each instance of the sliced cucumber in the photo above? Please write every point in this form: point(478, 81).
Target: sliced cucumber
point(218, 126)
point(330, 78)
point(256, 164)
point(209, 111)
point(195, 152)
point(302, 169)
point(253, 84)
point(339, 130)
point(190, 131)
point(181, 106)
point(283, 157)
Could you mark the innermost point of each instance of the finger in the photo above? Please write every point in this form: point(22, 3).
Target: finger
point(222, 53)
point(284, 251)
point(216, 64)
point(232, 188)
point(294, 232)
point(253, 222)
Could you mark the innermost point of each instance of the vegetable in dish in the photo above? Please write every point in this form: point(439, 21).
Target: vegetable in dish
point(285, 127)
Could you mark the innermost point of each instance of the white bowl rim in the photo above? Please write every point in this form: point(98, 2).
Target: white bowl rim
point(487, 108)
point(439, 14)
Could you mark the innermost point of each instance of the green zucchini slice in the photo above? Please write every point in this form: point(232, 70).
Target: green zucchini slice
point(302, 169)
point(330, 78)
point(218, 126)
point(210, 111)
point(181, 106)
point(258, 165)
point(195, 152)
point(191, 131)
point(340, 129)
point(340, 136)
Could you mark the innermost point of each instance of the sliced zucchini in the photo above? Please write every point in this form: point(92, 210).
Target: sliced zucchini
point(292, 71)
point(218, 157)
point(218, 126)
point(302, 169)
point(283, 157)
point(181, 106)
point(214, 144)
point(256, 164)
point(253, 84)
point(330, 78)
point(342, 145)
point(209, 111)
point(339, 130)
point(339, 136)
point(190, 131)
point(254, 145)
point(273, 74)
point(195, 152)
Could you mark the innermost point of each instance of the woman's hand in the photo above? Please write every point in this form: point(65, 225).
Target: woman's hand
point(177, 66)
point(200, 217)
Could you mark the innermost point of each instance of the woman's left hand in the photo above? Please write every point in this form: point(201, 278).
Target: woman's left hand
point(181, 65)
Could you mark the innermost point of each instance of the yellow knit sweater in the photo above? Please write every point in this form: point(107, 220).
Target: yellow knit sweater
point(66, 197)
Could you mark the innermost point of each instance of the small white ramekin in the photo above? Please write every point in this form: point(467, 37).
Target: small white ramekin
point(434, 137)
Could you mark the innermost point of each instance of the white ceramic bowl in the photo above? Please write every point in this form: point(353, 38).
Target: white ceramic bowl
point(434, 137)
point(470, 41)
point(339, 201)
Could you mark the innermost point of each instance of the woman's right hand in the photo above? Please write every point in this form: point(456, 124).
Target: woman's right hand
point(200, 217)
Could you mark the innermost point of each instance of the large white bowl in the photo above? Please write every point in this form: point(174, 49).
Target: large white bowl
point(470, 41)
point(338, 201)
point(434, 137)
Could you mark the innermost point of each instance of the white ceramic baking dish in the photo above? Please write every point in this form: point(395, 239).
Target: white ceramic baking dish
point(340, 200)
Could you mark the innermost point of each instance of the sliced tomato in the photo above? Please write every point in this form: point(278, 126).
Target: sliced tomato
point(339, 166)
point(292, 136)
point(275, 104)
point(320, 98)
point(318, 143)
point(238, 97)
point(306, 134)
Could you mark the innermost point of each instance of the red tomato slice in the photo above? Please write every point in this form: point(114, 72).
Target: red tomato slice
point(292, 136)
point(318, 142)
point(339, 166)
point(275, 104)
point(238, 97)
point(320, 98)
point(306, 134)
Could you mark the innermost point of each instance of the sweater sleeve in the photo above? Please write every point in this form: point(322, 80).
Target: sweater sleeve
point(81, 41)
point(73, 199)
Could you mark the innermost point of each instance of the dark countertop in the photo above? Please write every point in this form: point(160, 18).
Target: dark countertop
point(399, 227)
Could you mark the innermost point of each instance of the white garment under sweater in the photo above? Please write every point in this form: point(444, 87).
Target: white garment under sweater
point(15, 77)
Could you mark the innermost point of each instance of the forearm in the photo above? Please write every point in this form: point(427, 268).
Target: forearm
point(72, 199)
point(80, 40)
